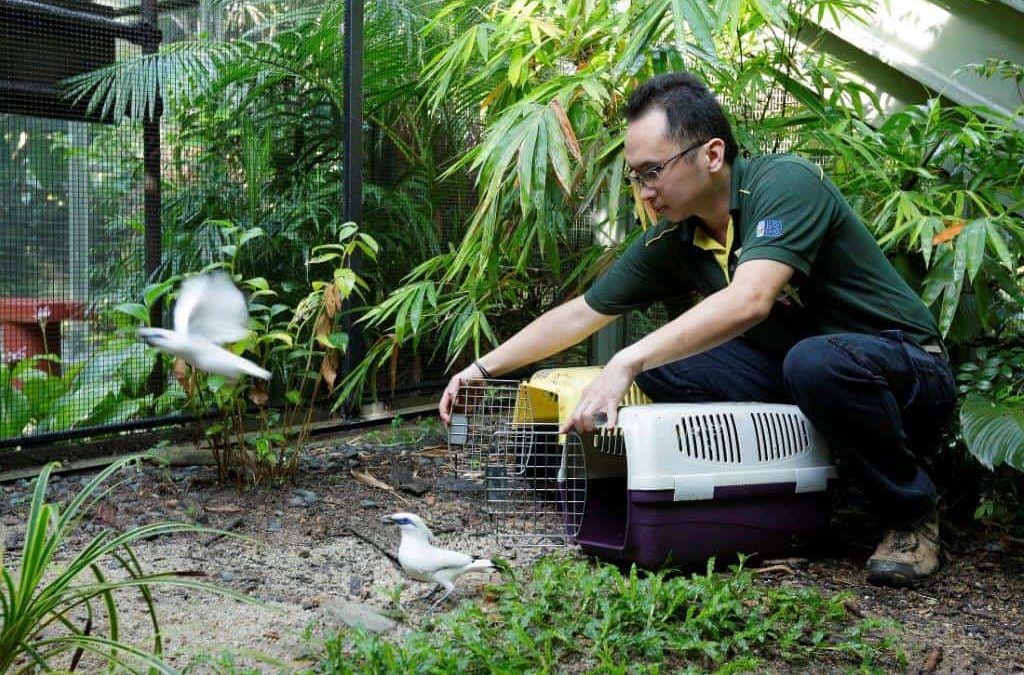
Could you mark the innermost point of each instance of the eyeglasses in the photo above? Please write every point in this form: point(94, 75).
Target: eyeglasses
point(650, 176)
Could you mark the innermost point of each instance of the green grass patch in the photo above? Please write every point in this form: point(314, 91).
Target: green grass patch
point(573, 616)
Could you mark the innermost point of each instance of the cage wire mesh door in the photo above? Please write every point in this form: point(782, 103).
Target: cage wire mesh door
point(534, 478)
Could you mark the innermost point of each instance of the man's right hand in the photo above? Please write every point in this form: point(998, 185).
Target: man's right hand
point(470, 373)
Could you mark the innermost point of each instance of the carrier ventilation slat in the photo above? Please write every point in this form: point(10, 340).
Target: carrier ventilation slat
point(780, 436)
point(709, 438)
point(610, 442)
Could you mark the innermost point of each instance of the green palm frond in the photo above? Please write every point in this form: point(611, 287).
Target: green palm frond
point(133, 86)
point(994, 431)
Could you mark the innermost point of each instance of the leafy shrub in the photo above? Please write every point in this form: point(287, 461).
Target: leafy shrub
point(54, 610)
point(259, 428)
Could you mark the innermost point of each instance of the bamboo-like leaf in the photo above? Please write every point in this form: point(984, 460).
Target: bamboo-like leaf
point(951, 294)
point(568, 135)
point(558, 154)
point(525, 165)
point(997, 243)
point(696, 15)
point(973, 240)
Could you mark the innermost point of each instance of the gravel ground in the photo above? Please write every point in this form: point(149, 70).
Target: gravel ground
point(316, 557)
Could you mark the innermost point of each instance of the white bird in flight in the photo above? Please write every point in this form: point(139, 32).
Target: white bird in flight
point(210, 311)
point(423, 561)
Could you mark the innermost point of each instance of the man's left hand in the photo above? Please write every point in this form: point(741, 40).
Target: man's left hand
point(600, 398)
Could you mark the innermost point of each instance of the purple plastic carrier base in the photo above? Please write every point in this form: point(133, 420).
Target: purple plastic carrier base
point(650, 529)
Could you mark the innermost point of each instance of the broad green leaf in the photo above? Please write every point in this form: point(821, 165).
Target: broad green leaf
point(15, 412)
point(993, 432)
point(154, 291)
point(135, 310)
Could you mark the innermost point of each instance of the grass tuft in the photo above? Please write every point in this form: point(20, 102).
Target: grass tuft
point(573, 616)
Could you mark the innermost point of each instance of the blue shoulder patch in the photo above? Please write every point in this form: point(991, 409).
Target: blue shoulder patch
point(769, 227)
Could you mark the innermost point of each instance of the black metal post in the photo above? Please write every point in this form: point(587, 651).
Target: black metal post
point(352, 208)
point(151, 179)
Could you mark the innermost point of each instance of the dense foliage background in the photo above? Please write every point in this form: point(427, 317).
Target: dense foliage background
point(495, 185)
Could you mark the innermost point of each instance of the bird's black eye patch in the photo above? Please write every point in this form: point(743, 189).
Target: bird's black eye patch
point(402, 521)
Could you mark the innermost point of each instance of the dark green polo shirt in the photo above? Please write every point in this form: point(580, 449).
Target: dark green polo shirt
point(783, 208)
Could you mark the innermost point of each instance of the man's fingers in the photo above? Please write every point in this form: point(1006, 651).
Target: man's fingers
point(448, 398)
point(444, 407)
point(570, 424)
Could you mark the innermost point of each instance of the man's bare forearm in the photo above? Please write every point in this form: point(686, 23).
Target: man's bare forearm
point(718, 318)
point(549, 334)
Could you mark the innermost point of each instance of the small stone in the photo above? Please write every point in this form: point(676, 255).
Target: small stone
point(344, 452)
point(296, 501)
point(304, 553)
point(355, 585)
point(356, 615)
point(369, 504)
point(227, 575)
point(274, 525)
point(416, 486)
point(459, 485)
point(13, 540)
point(308, 497)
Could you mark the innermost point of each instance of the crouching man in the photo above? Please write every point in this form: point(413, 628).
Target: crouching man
point(799, 305)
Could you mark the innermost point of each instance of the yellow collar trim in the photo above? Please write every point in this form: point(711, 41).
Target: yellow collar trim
point(702, 240)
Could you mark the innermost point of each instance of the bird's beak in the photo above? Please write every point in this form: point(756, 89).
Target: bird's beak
point(387, 519)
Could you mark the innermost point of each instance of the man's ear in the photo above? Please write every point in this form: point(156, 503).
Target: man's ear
point(716, 154)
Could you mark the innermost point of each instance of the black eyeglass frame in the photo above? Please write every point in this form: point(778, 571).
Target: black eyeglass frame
point(651, 175)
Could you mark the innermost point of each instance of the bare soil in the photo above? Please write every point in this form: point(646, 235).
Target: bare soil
point(317, 547)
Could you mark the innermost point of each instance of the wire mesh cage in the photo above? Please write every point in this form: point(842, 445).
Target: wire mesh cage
point(534, 478)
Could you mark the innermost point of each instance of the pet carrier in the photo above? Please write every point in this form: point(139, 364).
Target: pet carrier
point(672, 483)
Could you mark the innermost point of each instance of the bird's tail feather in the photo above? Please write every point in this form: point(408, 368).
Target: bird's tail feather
point(480, 564)
point(246, 366)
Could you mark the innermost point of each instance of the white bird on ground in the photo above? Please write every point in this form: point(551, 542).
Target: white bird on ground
point(210, 311)
point(423, 561)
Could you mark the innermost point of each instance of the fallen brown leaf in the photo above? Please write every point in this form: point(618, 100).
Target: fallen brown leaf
point(851, 607)
point(785, 569)
point(227, 508)
point(933, 660)
point(107, 514)
point(367, 479)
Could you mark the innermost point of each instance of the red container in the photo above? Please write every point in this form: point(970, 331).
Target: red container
point(31, 326)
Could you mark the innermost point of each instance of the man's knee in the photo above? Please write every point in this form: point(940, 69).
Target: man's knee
point(811, 365)
point(676, 385)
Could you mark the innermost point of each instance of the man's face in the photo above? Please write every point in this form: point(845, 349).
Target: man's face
point(677, 191)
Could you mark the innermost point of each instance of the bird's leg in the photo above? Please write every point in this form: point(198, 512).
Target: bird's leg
point(437, 603)
point(430, 594)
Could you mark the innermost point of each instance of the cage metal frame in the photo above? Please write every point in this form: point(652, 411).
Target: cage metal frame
point(533, 477)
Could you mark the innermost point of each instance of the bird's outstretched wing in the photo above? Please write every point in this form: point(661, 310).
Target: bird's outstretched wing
point(443, 559)
point(209, 305)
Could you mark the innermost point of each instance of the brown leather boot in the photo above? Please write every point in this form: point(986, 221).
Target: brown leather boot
point(906, 556)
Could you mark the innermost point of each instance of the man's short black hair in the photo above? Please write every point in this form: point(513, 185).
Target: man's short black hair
point(693, 112)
